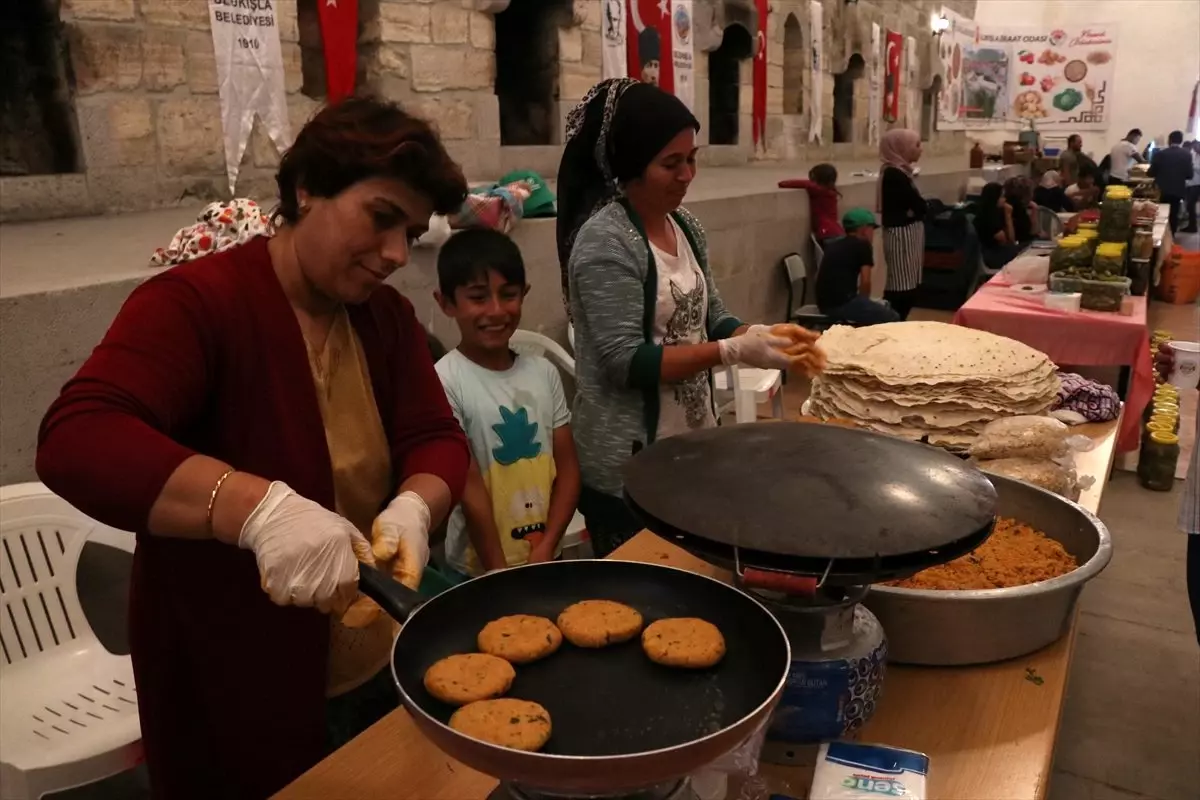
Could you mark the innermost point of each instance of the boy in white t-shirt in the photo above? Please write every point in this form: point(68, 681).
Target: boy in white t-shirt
point(523, 485)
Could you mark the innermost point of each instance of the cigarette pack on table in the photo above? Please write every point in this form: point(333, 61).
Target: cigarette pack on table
point(853, 771)
point(1063, 301)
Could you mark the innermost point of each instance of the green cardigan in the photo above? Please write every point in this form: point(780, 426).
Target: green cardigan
point(614, 291)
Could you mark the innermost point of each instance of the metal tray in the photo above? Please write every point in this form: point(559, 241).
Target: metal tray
point(949, 628)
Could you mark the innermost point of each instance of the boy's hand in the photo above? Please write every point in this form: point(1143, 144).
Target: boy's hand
point(542, 552)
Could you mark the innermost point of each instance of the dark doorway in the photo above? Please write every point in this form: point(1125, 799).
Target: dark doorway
point(527, 69)
point(38, 135)
point(724, 84)
point(843, 99)
point(794, 64)
point(929, 108)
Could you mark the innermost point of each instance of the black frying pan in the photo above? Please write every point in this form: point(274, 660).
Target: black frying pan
point(620, 722)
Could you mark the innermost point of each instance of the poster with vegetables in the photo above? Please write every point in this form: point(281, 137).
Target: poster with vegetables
point(1006, 77)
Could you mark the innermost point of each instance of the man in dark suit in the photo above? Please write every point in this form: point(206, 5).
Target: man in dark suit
point(1171, 169)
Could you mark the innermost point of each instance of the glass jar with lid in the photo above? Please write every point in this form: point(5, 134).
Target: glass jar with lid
point(1110, 258)
point(1116, 214)
point(1068, 253)
point(1156, 464)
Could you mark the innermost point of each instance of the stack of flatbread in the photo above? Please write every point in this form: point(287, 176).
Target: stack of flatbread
point(928, 380)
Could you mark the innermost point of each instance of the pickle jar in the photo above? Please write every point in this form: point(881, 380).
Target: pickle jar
point(1069, 252)
point(1166, 417)
point(1110, 258)
point(1156, 465)
point(1090, 239)
point(1116, 214)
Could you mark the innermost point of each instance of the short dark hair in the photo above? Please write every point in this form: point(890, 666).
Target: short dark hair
point(471, 253)
point(364, 137)
point(1134, 132)
point(1073, 137)
point(824, 174)
point(1176, 137)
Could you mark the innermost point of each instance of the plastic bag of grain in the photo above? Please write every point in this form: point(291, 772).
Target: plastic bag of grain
point(1020, 437)
point(853, 771)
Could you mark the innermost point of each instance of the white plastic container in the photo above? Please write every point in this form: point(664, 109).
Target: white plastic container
point(854, 771)
point(1063, 301)
point(1186, 372)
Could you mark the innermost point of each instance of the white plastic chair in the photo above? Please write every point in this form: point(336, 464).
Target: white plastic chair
point(755, 386)
point(68, 707)
point(574, 540)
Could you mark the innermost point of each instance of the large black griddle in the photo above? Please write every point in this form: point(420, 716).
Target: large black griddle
point(847, 505)
point(620, 722)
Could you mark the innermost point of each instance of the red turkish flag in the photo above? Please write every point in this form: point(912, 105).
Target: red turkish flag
point(891, 76)
point(648, 42)
point(339, 37)
point(759, 110)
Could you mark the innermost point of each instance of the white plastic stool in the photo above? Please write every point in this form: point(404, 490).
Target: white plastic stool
point(754, 386)
point(68, 707)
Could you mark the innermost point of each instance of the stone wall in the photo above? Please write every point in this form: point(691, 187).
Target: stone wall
point(148, 113)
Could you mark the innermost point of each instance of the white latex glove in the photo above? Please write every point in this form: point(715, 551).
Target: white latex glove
point(307, 555)
point(401, 531)
point(755, 348)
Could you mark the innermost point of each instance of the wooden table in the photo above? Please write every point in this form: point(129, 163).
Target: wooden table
point(989, 731)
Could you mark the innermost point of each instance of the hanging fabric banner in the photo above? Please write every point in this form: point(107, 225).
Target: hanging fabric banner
point(816, 81)
point(1193, 124)
point(681, 51)
point(648, 26)
point(875, 76)
point(339, 38)
point(612, 29)
point(249, 78)
point(911, 86)
point(759, 108)
point(892, 85)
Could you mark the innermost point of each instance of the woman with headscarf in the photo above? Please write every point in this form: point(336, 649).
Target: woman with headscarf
point(650, 325)
point(1051, 194)
point(902, 209)
point(994, 224)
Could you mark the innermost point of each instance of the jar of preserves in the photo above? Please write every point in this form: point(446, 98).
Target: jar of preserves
point(1156, 465)
point(1164, 402)
point(1142, 245)
point(1169, 418)
point(1116, 214)
point(1090, 239)
point(1110, 259)
point(1068, 253)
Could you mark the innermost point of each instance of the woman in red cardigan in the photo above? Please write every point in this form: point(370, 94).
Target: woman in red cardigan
point(253, 415)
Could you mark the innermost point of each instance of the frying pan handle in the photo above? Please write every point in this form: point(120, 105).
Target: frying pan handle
point(779, 582)
point(395, 598)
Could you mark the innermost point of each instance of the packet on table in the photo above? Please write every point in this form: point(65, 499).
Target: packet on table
point(852, 771)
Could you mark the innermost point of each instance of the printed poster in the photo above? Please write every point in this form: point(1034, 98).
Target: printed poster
point(892, 84)
point(816, 81)
point(647, 27)
point(1005, 77)
point(682, 38)
point(249, 77)
point(613, 58)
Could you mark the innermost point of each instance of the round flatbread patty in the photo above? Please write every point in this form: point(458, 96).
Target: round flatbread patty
point(508, 722)
point(687, 642)
point(520, 638)
point(598, 623)
point(468, 677)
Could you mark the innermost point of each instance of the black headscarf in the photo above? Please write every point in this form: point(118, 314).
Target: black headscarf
point(612, 136)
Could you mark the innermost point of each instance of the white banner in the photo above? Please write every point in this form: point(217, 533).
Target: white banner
point(816, 80)
point(249, 76)
point(912, 87)
point(875, 96)
point(682, 40)
point(614, 62)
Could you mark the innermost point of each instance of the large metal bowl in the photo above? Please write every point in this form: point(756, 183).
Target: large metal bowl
point(947, 628)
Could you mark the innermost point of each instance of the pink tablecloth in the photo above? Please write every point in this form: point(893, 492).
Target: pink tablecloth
point(1085, 338)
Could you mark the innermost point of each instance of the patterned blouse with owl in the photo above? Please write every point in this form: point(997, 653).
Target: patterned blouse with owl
point(679, 318)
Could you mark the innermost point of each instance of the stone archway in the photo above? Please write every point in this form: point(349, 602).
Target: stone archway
point(527, 68)
point(844, 84)
point(725, 84)
point(793, 66)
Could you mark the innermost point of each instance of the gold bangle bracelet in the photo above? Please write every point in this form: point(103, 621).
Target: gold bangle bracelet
point(212, 499)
